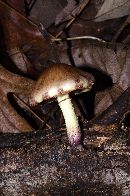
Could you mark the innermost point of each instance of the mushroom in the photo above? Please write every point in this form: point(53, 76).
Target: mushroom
point(57, 81)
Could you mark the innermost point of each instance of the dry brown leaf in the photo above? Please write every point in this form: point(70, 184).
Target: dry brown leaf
point(105, 60)
point(19, 59)
point(10, 120)
point(17, 32)
point(45, 11)
point(113, 9)
point(67, 10)
point(18, 5)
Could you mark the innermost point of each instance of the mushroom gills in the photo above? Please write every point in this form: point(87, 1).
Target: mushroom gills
point(71, 120)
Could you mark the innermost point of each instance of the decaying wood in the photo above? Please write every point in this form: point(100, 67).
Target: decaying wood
point(41, 163)
point(48, 167)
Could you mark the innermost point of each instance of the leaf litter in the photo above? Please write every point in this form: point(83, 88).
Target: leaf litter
point(111, 70)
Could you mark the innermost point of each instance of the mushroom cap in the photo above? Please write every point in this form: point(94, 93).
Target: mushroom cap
point(60, 79)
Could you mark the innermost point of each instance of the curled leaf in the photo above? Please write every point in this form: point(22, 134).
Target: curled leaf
point(10, 120)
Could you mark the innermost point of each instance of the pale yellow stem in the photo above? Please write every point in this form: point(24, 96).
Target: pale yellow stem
point(71, 120)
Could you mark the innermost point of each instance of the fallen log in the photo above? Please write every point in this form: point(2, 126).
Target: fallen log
point(41, 163)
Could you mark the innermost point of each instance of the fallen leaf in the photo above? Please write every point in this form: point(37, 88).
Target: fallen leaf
point(15, 25)
point(18, 5)
point(10, 120)
point(67, 10)
point(45, 11)
point(19, 59)
point(18, 32)
point(113, 9)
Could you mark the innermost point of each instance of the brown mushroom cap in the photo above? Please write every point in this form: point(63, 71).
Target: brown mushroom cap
point(60, 79)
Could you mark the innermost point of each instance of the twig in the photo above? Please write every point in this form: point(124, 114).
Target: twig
point(121, 29)
point(78, 38)
point(75, 13)
point(93, 40)
point(31, 111)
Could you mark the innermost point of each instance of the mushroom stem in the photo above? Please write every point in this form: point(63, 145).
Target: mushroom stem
point(71, 120)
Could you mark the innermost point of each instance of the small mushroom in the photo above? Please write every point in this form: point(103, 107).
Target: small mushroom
point(57, 81)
